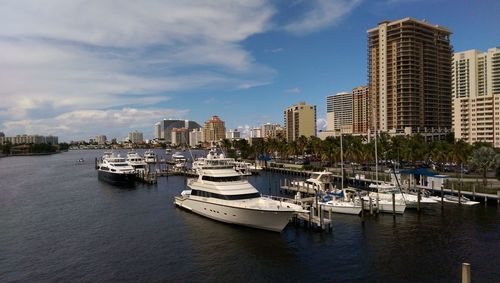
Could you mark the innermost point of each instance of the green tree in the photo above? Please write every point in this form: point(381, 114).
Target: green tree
point(484, 159)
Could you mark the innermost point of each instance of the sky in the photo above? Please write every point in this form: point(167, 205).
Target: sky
point(77, 69)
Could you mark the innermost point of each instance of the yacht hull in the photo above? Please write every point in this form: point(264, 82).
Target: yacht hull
point(274, 221)
point(125, 180)
point(384, 206)
point(344, 209)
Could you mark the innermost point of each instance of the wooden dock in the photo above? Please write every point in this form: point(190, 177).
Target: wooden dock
point(319, 219)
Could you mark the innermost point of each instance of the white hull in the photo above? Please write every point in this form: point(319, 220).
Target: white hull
point(469, 202)
point(411, 201)
point(344, 208)
point(272, 220)
point(384, 206)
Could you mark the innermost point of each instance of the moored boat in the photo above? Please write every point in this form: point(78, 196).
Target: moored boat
point(223, 194)
point(115, 170)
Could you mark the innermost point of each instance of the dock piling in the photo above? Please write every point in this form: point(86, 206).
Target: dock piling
point(393, 204)
point(419, 196)
point(465, 272)
point(371, 206)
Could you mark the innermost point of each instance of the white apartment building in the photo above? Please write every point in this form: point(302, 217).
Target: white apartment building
point(233, 134)
point(476, 96)
point(135, 137)
point(196, 137)
point(340, 105)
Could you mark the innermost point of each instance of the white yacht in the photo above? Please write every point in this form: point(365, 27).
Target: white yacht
point(179, 160)
point(243, 167)
point(455, 199)
point(221, 193)
point(149, 156)
point(410, 199)
point(338, 201)
point(383, 198)
point(115, 170)
point(136, 161)
point(168, 151)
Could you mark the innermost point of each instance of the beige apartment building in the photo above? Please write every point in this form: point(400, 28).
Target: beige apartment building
point(214, 129)
point(300, 120)
point(360, 109)
point(476, 96)
point(409, 74)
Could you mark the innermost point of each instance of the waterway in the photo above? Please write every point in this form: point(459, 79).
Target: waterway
point(59, 223)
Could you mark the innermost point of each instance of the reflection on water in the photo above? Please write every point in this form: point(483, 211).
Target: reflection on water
point(58, 222)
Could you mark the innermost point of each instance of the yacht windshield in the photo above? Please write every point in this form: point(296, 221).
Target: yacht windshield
point(225, 197)
point(222, 179)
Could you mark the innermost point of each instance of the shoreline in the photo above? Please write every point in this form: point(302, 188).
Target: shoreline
point(30, 154)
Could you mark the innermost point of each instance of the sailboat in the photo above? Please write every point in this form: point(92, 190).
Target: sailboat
point(339, 202)
point(384, 194)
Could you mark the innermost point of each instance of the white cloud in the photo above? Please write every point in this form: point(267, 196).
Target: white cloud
point(321, 124)
point(321, 14)
point(82, 124)
point(66, 56)
point(294, 90)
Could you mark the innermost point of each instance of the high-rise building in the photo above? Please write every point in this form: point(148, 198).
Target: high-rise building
point(409, 74)
point(360, 109)
point(166, 127)
point(233, 134)
point(157, 131)
point(476, 96)
point(101, 139)
point(271, 131)
point(340, 105)
point(300, 120)
point(135, 137)
point(256, 132)
point(180, 136)
point(196, 137)
point(214, 129)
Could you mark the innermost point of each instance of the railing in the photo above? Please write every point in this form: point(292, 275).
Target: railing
point(283, 199)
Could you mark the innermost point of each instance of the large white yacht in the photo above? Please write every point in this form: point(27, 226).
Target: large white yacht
point(221, 193)
point(136, 161)
point(115, 170)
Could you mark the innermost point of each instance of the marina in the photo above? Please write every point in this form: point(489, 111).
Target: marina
point(131, 221)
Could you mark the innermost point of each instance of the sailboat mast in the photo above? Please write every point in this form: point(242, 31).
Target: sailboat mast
point(341, 160)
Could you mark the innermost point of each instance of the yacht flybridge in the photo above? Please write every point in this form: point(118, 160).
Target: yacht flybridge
point(221, 193)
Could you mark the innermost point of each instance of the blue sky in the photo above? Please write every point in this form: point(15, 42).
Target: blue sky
point(77, 69)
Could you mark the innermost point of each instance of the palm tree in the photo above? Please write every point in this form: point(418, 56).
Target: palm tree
point(484, 158)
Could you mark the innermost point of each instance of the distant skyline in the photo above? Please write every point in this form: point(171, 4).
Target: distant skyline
point(77, 69)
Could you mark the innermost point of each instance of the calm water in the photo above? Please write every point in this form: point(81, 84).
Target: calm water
point(59, 223)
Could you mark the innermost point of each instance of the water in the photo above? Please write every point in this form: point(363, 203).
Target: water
point(59, 223)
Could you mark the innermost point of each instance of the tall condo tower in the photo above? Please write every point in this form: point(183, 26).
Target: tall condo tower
point(409, 74)
point(340, 106)
point(476, 96)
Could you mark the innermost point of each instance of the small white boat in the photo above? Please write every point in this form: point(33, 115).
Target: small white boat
point(381, 199)
point(454, 199)
point(344, 207)
point(150, 156)
point(168, 151)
